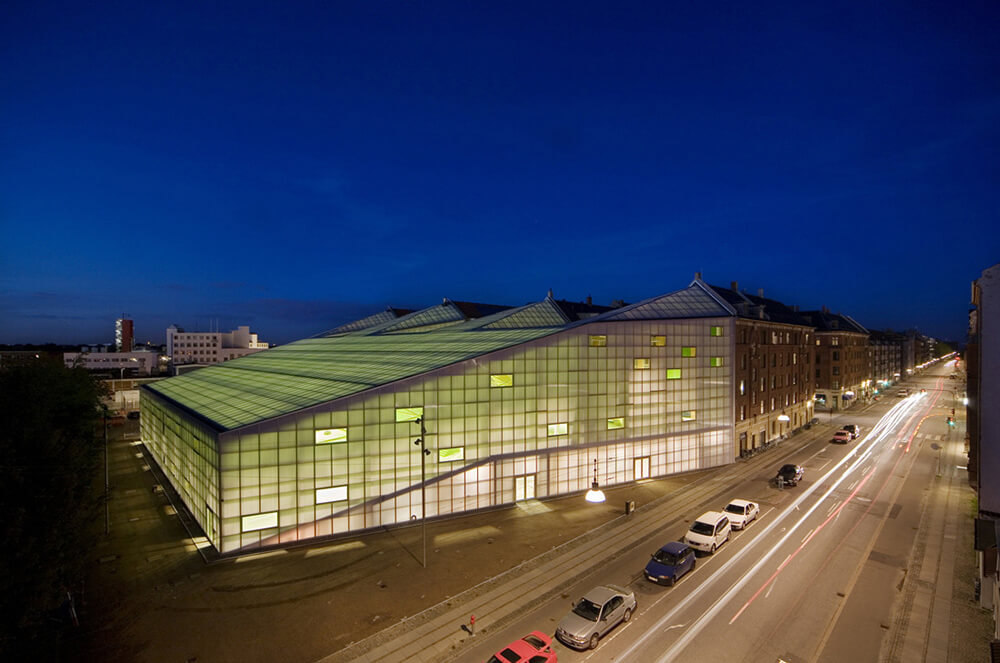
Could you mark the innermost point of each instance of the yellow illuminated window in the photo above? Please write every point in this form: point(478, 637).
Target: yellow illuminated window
point(598, 340)
point(259, 521)
point(715, 361)
point(640, 362)
point(715, 331)
point(558, 429)
point(451, 454)
point(331, 494)
point(408, 413)
point(501, 380)
point(688, 415)
point(616, 422)
point(689, 351)
point(331, 436)
point(673, 374)
point(658, 341)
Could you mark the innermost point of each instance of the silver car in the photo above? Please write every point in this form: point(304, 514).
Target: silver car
point(600, 610)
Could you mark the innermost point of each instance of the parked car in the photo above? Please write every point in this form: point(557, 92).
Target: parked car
point(841, 437)
point(600, 610)
point(709, 531)
point(669, 563)
point(853, 429)
point(536, 647)
point(790, 474)
point(903, 393)
point(741, 513)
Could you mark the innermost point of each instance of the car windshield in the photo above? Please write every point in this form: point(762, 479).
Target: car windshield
point(534, 641)
point(664, 557)
point(734, 508)
point(702, 528)
point(588, 610)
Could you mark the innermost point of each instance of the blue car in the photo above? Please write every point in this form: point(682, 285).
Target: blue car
point(669, 563)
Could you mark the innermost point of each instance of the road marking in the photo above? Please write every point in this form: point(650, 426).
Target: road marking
point(806, 537)
point(824, 465)
point(831, 509)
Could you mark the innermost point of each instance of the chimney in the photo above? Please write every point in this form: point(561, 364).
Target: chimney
point(697, 276)
point(550, 293)
point(589, 300)
point(826, 310)
point(734, 286)
point(760, 292)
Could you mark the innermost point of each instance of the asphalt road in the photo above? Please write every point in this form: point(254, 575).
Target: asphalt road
point(811, 580)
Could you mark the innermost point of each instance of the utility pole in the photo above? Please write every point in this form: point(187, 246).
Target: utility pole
point(424, 452)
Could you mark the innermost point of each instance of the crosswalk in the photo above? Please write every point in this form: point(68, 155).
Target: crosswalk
point(933, 438)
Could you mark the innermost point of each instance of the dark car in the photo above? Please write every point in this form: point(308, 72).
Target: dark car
point(853, 429)
point(790, 474)
point(669, 563)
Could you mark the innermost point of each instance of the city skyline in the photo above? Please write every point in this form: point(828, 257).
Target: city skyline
point(294, 170)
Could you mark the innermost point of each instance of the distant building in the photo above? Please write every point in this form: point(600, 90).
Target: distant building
point(116, 364)
point(124, 335)
point(211, 347)
point(888, 350)
point(843, 372)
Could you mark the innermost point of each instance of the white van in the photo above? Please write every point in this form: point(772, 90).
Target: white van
point(709, 531)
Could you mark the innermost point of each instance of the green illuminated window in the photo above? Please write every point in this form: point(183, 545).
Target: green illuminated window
point(689, 351)
point(501, 380)
point(451, 454)
point(331, 436)
point(558, 429)
point(689, 415)
point(673, 374)
point(715, 362)
point(408, 413)
point(598, 340)
point(640, 362)
point(331, 494)
point(715, 331)
point(259, 521)
point(658, 341)
point(615, 423)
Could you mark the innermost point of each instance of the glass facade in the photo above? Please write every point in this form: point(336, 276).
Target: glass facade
point(536, 414)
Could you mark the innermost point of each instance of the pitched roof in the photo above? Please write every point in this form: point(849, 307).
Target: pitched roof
point(695, 301)
point(759, 307)
point(824, 321)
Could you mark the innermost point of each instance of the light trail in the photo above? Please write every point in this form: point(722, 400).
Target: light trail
point(865, 448)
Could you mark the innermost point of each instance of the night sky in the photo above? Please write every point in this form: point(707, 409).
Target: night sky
point(293, 166)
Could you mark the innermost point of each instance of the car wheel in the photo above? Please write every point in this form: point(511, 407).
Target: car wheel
point(671, 580)
point(713, 549)
point(593, 641)
point(627, 616)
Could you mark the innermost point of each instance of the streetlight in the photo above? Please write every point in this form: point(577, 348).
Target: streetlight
point(424, 452)
point(595, 494)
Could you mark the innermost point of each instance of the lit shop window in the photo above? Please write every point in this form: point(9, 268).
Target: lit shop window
point(715, 362)
point(451, 454)
point(615, 423)
point(640, 362)
point(598, 340)
point(689, 415)
point(689, 351)
point(658, 341)
point(408, 414)
point(673, 374)
point(501, 380)
point(331, 436)
point(260, 521)
point(558, 429)
point(715, 331)
point(331, 494)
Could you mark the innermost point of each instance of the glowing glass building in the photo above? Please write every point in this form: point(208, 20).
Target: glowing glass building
point(316, 438)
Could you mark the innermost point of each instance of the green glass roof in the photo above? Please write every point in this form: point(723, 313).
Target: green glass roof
point(291, 377)
point(694, 301)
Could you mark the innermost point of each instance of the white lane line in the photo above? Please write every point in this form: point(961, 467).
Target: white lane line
point(806, 537)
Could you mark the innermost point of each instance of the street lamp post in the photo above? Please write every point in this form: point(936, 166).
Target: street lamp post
point(424, 452)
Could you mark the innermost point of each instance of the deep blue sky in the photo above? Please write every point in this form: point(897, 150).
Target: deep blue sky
point(296, 165)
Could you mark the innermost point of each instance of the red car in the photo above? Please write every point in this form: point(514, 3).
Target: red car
point(536, 647)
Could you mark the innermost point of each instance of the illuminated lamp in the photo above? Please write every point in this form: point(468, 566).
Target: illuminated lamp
point(595, 494)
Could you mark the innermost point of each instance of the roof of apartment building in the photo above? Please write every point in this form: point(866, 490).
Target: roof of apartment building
point(825, 321)
point(758, 307)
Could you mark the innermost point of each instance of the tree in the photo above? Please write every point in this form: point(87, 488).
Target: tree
point(50, 452)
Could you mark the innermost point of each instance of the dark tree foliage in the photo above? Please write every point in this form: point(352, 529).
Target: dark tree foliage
point(50, 454)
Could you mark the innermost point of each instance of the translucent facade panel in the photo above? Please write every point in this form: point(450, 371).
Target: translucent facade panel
point(598, 340)
point(689, 415)
point(331, 494)
point(658, 341)
point(558, 429)
point(404, 414)
point(616, 423)
point(640, 363)
point(451, 454)
point(259, 521)
point(331, 436)
point(715, 362)
point(501, 380)
point(715, 331)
